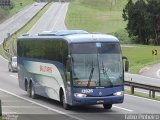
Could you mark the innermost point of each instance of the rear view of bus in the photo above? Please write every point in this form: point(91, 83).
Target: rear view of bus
point(93, 72)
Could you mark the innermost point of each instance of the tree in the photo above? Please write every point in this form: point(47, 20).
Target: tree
point(143, 18)
point(135, 13)
point(153, 10)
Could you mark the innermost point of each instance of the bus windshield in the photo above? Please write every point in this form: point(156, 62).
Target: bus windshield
point(96, 64)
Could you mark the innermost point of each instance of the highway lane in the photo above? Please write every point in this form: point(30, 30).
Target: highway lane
point(19, 20)
point(151, 71)
point(9, 83)
point(142, 79)
point(52, 20)
point(55, 21)
point(131, 104)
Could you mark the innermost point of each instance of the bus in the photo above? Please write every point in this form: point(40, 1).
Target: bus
point(72, 66)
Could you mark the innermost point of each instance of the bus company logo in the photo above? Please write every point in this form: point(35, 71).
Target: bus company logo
point(100, 93)
point(46, 69)
point(87, 91)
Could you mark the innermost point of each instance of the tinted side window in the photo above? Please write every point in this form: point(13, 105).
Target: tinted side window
point(56, 50)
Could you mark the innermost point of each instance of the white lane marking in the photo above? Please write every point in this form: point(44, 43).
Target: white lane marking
point(113, 106)
point(60, 112)
point(14, 76)
point(58, 17)
point(21, 107)
point(143, 98)
point(129, 110)
point(9, 113)
point(123, 108)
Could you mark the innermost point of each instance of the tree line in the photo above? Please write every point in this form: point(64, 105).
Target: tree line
point(143, 17)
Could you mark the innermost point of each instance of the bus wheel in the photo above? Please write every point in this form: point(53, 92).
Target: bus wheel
point(28, 89)
point(65, 105)
point(33, 94)
point(9, 69)
point(107, 106)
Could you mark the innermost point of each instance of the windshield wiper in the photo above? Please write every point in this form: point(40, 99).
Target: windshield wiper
point(91, 75)
point(105, 73)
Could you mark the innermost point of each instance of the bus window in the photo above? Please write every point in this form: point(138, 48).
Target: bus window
point(100, 64)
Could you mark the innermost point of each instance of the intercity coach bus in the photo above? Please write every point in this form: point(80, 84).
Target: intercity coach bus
point(72, 66)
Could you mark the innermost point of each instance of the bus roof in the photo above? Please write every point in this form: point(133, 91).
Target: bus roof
point(73, 36)
point(92, 38)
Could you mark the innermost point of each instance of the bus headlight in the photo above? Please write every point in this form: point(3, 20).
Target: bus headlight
point(79, 95)
point(119, 93)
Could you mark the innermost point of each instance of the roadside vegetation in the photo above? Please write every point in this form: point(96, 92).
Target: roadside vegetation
point(140, 56)
point(11, 41)
point(16, 6)
point(8, 11)
point(106, 16)
point(143, 21)
point(96, 16)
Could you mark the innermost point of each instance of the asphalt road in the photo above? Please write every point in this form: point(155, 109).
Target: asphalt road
point(9, 87)
point(16, 100)
point(52, 20)
point(152, 71)
point(142, 79)
point(19, 20)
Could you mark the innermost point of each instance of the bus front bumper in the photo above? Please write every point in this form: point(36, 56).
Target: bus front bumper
point(97, 100)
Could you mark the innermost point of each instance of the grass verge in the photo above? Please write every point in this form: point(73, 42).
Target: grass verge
point(2, 51)
point(139, 94)
point(96, 16)
point(26, 28)
point(140, 56)
point(106, 16)
point(16, 6)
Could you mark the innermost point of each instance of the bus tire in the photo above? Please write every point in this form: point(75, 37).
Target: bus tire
point(65, 105)
point(28, 89)
point(33, 94)
point(9, 69)
point(107, 106)
point(26, 85)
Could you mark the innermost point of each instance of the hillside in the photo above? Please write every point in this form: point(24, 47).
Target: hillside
point(16, 6)
point(96, 15)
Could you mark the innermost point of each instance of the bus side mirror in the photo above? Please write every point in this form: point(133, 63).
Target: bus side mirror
point(68, 70)
point(126, 66)
point(69, 64)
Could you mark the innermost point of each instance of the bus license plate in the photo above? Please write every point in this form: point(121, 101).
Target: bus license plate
point(100, 101)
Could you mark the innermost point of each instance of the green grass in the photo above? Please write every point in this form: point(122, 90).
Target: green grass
point(26, 28)
point(18, 6)
point(139, 94)
point(2, 51)
point(93, 15)
point(8, 12)
point(140, 56)
point(101, 16)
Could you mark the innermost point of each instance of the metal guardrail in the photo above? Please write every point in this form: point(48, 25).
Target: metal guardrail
point(152, 89)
